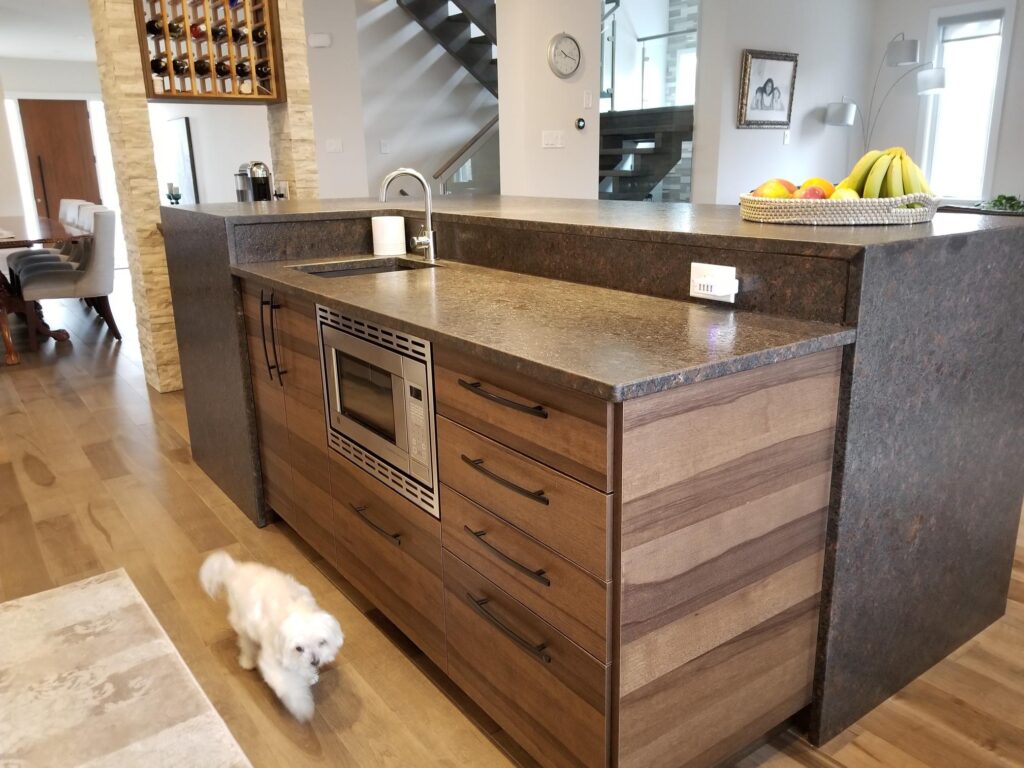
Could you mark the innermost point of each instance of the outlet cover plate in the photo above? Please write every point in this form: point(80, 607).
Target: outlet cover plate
point(714, 282)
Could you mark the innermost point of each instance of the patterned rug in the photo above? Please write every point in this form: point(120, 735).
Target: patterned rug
point(89, 678)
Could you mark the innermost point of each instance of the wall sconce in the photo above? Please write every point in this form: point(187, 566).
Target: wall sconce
point(899, 52)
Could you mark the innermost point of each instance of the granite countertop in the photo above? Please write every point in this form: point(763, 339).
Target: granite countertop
point(610, 344)
point(717, 226)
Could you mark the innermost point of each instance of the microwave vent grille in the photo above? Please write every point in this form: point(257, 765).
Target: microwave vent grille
point(422, 497)
point(403, 343)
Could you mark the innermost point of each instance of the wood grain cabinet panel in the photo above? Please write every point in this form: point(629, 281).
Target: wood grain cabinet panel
point(562, 594)
point(558, 427)
point(548, 693)
point(391, 550)
point(568, 516)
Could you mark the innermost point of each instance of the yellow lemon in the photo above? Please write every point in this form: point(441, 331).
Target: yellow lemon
point(842, 193)
point(823, 184)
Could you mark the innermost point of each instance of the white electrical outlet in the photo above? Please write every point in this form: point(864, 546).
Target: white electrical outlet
point(552, 139)
point(714, 282)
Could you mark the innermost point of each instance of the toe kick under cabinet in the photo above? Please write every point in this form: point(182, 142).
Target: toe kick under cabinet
point(631, 584)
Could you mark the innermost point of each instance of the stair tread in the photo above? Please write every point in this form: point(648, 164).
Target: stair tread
point(623, 173)
point(630, 151)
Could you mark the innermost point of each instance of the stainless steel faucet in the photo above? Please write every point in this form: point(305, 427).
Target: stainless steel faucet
point(424, 241)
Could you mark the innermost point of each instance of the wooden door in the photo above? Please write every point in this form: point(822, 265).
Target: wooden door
point(60, 153)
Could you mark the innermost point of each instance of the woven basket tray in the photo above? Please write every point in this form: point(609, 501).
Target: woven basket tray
point(880, 210)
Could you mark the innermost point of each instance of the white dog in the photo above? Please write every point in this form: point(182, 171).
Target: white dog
point(280, 628)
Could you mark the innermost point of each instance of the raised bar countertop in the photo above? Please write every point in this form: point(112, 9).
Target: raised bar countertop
point(698, 225)
point(611, 344)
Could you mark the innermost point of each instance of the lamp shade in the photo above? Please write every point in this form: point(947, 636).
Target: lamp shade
point(932, 80)
point(901, 52)
point(841, 113)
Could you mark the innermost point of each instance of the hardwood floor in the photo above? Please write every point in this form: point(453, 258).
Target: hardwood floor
point(95, 474)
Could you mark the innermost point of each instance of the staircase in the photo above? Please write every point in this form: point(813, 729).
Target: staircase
point(638, 147)
point(466, 29)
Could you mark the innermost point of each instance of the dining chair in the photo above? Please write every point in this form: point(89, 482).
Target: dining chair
point(93, 280)
point(71, 214)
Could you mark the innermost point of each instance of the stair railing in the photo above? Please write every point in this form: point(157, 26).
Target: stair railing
point(453, 163)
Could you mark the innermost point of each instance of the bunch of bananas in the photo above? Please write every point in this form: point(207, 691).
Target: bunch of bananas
point(885, 173)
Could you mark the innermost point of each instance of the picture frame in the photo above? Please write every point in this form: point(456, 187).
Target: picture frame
point(175, 164)
point(767, 85)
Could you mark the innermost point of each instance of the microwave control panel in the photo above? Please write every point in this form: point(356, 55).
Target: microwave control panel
point(419, 429)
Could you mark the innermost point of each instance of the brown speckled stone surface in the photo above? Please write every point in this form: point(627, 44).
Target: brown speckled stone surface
point(611, 344)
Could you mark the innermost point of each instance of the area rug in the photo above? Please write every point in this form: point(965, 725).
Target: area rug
point(89, 678)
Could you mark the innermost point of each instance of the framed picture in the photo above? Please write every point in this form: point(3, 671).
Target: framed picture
point(767, 82)
point(175, 163)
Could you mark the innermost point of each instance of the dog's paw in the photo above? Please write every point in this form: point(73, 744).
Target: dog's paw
point(246, 662)
point(301, 708)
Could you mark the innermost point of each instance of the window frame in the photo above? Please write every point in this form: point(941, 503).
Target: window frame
point(927, 115)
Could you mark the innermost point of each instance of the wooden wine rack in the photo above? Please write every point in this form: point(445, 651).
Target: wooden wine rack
point(247, 15)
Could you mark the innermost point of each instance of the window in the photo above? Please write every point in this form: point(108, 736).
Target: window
point(961, 125)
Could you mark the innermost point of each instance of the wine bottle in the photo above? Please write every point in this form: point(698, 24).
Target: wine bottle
point(220, 32)
point(202, 67)
point(158, 65)
point(242, 69)
point(259, 35)
point(223, 69)
point(198, 30)
point(239, 34)
point(176, 29)
point(155, 27)
point(180, 66)
point(263, 70)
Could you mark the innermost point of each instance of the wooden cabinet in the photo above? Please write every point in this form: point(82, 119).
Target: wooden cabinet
point(284, 361)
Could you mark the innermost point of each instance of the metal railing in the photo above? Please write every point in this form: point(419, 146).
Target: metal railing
point(458, 157)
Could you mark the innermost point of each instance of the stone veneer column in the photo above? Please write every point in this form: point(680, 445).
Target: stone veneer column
point(124, 100)
point(292, 144)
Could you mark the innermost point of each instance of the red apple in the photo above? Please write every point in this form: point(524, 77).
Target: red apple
point(810, 193)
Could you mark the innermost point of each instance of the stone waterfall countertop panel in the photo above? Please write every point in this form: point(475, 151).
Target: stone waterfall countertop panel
point(717, 226)
point(610, 344)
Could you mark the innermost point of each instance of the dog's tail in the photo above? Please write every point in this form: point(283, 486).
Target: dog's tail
point(216, 569)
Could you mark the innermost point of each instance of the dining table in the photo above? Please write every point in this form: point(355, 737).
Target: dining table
point(24, 232)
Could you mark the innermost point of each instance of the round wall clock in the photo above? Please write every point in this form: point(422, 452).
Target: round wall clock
point(564, 55)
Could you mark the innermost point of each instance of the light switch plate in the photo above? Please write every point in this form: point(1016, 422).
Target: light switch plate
point(385, 147)
point(333, 146)
point(714, 282)
point(785, 136)
point(552, 139)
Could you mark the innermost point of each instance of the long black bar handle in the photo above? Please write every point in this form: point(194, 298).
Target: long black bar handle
point(42, 183)
point(274, 306)
point(539, 652)
point(263, 336)
point(394, 538)
point(478, 465)
point(477, 388)
point(536, 575)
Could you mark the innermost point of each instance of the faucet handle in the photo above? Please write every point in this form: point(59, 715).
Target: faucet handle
point(422, 241)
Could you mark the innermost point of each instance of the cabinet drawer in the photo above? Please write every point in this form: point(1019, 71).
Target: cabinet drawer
point(391, 550)
point(556, 426)
point(558, 511)
point(570, 599)
point(548, 693)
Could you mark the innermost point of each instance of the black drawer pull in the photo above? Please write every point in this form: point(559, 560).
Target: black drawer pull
point(539, 652)
point(478, 465)
point(274, 306)
point(394, 538)
point(477, 388)
point(537, 575)
point(263, 336)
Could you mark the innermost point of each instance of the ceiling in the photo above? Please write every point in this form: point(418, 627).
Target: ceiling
point(46, 29)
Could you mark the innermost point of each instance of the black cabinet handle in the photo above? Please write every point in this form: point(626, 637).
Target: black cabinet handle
point(478, 465)
point(394, 538)
point(537, 575)
point(477, 388)
point(263, 336)
point(539, 652)
point(273, 339)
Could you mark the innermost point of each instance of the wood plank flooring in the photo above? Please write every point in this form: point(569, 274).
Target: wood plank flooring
point(95, 474)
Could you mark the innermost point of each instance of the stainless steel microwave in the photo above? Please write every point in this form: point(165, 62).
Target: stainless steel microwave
point(379, 403)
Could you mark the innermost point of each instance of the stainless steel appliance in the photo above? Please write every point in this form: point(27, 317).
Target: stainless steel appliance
point(254, 182)
point(379, 401)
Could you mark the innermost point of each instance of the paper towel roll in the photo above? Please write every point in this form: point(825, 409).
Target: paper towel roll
point(388, 235)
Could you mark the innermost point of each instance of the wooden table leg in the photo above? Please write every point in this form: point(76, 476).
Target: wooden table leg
point(10, 355)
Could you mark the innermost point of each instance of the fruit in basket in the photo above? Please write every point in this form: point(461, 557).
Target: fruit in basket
point(886, 173)
point(823, 184)
point(810, 193)
point(775, 188)
point(876, 177)
point(842, 193)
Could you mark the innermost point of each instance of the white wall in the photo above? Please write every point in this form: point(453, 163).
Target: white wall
point(223, 137)
point(831, 37)
point(10, 193)
point(533, 99)
point(416, 97)
point(898, 123)
point(38, 78)
point(337, 99)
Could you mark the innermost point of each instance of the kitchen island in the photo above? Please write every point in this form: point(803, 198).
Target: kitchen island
point(914, 331)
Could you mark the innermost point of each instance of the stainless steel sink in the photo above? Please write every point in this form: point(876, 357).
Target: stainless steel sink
point(371, 266)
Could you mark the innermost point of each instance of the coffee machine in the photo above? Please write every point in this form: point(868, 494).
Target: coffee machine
point(254, 182)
